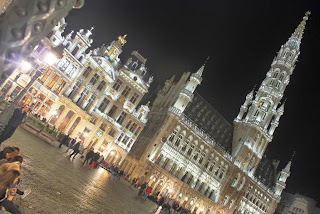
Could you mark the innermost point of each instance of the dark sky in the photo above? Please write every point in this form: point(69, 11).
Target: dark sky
point(242, 38)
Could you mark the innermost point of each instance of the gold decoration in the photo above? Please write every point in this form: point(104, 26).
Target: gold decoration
point(122, 39)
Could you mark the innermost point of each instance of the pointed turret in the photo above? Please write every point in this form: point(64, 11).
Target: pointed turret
point(259, 116)
point(186, 94)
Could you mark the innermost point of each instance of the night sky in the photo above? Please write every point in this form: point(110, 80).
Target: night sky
point(242, 38)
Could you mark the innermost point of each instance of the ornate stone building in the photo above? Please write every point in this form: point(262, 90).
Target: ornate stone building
point(88, 93)
point(296, 204)
point(189, 152)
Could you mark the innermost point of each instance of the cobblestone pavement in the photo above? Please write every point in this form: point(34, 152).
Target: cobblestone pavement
point(60, 185)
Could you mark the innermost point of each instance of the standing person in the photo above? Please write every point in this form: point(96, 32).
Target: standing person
point(76, 149)
point(71, 143)
point(15, 121)
point(141, 189)
point(64, 140)
point(147, 193)
point(88, 156)
point(94, 159)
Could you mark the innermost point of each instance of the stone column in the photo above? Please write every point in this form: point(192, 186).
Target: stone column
point(77, 95)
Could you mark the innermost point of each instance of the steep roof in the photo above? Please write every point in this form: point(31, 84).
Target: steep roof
point(209, 120)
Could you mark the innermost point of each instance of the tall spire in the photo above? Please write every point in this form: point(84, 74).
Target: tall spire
point(260, 114)
point(298, 33)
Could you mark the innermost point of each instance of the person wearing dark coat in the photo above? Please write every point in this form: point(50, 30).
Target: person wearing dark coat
point(64, 140)
point(88, 156)
point(15, 121)
point(76, 149)
point(142, 187)
point(94, 159)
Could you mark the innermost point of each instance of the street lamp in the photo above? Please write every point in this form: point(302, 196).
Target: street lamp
point(48, 60)
point(25, 66)
point(54, 112)
point(85, 134)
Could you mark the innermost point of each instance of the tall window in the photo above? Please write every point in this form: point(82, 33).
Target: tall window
point(172, 135)
point(177, 143)
point(133, 127)
point(121, 117)
point(112, 132)
point(134, 98)
point(94, 79)
point(52, 81)
point(112, 111)
point(59, 87)
point(44, 76)
point(64, 64)
point(117, 85)
point(137, 131)
point(126, 91)
point(101, 85)
point(103, 126)
point(190, 149)
point(128, 124)
point(87, 72)
point(104, 104)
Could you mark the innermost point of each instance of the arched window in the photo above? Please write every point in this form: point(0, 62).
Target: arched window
point(236, 180)
point(74, 125)
point(172, 136)
point(177, 143)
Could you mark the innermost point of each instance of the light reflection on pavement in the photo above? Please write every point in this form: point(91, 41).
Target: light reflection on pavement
point(60, 185)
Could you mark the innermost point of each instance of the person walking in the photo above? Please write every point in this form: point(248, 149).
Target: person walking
point(71, 143)
point(88, 156)
point(15, 121)
point(76, 149)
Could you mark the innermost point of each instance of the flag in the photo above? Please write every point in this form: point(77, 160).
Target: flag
point(251, 168)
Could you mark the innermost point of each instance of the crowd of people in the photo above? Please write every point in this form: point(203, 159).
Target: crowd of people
point(10, 171)
point(165, 202)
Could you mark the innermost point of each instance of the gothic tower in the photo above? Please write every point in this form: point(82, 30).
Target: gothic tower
point(260, 114)
point(186, 94)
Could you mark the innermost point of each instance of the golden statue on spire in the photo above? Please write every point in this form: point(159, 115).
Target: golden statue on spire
point(122, 39)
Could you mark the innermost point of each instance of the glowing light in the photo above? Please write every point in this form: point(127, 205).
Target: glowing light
point(85, 134)
point(54, 112)
point(50, 58)
point(112, 153)
point(26, 66)
point(186, 198)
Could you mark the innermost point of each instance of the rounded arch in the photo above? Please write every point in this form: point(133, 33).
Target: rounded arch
point(114, 157)
point(74, 125)
point(59, 112)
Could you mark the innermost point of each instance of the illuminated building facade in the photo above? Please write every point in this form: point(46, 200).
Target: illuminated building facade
point(88, 94)
point(189, 152)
